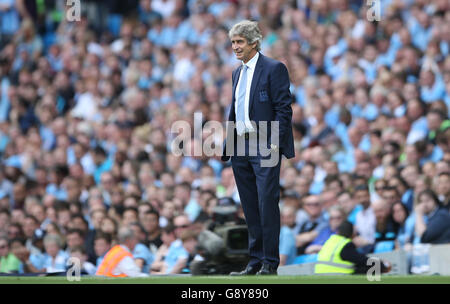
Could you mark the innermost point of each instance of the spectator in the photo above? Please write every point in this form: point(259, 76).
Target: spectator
point(150, 222)
point(130, 215)
point(54, 258)
point(386, 228)
point(9, 263)
point(102, 245)
point(437, 228)
point(74, 239)
point(405, 222)
point(109, 225)
point(174, 260)
point(442, 189)
point(79, 253)
point(390, 195)
point(309, 222)
point(288, 250)
point(168, 237)
point(365, 220)
point(336, 218)
point(141, 253)
point(402, 187)
point(347, 203)
point(189, 239)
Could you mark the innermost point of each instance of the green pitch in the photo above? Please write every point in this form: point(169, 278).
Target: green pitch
point(232, 280)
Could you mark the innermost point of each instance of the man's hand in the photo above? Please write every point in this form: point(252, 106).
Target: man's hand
point(311, 249)
point(419, 209)
point(360, 242)
point(305, 238)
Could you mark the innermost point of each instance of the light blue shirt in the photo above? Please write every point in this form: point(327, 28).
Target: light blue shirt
point(5, 104)
point(59, 192)
point(9, 19)
point(287, 244)
point(142, 252)
point(419, 130)
point(192, 209)
point(434, 93)
point(175, 253)
point(352, 216)
point(38, 260)
point(104, 167)
point(58, 264)
point(406, 232)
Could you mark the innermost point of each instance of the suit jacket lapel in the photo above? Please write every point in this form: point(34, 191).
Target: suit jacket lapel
point(236, 80)
point(256, 74)
point(233, 99)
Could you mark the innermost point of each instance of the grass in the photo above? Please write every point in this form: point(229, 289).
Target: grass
point(232, 280)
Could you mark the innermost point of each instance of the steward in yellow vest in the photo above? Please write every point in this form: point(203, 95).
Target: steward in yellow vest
point(329, 259)
point(339, 255)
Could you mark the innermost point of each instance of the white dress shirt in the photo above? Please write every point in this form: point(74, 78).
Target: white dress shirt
point(251, 64)
point(365, 224)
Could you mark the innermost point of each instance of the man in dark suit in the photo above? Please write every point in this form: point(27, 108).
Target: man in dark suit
point(259, 132)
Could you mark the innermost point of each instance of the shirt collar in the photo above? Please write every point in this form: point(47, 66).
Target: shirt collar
point(251, 64)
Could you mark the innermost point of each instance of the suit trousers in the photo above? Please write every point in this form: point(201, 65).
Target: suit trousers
point(259, 192)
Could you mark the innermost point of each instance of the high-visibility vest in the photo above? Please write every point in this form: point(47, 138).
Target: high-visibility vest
point(111, 260)
point(329, 259)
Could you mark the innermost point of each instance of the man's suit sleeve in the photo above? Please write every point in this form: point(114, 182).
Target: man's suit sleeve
point(351, 254)
point(281, 99)
point(224, 156)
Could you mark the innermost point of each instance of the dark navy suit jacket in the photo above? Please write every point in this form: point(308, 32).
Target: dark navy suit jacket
point(270, 100)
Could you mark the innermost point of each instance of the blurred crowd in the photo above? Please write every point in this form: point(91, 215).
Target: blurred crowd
point(86, 109)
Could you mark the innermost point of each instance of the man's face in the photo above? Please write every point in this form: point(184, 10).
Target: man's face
point(181, 223)
point(129, 216)
point(242, 49)
point(80, 224)
point(150, 222)
point(427, 202)
point(302, 185)
point(51, 248)
point(346, 202)
point(29, 227)
point(64, 218)
point(390, 196)
point(73, 240)
point(313, 205)
point(288, 218)
point(443, 185)
point(138, 233)
point(362, 197)
point(336, 219)
point(101, 246)
point(190, 245)
point(97, 219)
point(132, 242)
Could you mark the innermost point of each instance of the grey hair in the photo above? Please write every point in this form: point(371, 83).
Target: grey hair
point(337, 208)
point(249, 30)
point(124, 234)
point(53, 238)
